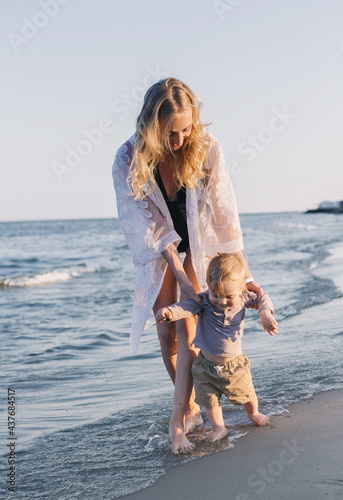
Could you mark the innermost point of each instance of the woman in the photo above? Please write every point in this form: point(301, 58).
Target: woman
point(174, 196)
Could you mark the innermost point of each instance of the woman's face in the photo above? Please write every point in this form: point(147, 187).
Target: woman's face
point(180, 129)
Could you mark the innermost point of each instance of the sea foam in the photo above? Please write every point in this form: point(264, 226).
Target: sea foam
point(54, 276)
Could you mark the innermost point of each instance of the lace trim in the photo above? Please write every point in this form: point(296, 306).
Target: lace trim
point(226, 199)
point(121, 154)
point(129, 209)
point(157, 197)
point(149, 254)
point(197, 253)
point(228, 247)
point(212, 152)
point(149, 280)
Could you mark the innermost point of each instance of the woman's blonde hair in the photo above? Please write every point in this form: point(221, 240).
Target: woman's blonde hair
point(164, 101)
point(222, 268)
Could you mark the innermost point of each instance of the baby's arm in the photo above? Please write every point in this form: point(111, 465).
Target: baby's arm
point(180, 310)
point(266, 309)
point(268, 321)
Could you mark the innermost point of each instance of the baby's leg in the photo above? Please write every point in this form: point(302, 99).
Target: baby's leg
point(252, 411)
point(215, 416)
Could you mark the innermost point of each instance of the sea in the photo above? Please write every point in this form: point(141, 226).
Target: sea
point(81, 415)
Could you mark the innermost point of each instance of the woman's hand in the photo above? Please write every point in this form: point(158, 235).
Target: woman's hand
point(254, 287)
point(188, 292)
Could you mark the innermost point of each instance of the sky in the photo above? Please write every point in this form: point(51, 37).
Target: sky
point(74, 74)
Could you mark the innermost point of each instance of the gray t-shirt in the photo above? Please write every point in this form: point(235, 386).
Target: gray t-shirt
point(219, 332)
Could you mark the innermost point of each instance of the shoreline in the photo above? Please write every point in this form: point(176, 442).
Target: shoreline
point(298, 455)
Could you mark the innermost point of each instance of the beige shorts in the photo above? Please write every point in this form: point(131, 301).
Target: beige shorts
point(211, 380)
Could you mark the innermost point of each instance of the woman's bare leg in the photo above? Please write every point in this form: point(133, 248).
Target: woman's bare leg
point(192, 415)
point(169, 349)
point(167, 331)
point(184, 404)
point(178, 355)
point(183, 401)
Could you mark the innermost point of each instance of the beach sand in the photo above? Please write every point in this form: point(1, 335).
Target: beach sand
point(298, 456)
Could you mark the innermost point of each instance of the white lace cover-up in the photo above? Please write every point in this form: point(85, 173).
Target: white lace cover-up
point(212, 221)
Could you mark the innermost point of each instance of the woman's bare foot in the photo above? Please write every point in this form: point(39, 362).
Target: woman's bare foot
point(259, 418)
point(180, 444)
point(217, 434)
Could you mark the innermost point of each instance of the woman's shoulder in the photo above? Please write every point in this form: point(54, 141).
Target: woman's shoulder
point(122, 161)
point(126, 149)
point(124, 153)
point(214, 149)
point(214, 142)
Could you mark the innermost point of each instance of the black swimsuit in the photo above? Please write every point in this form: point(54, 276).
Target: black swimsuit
point(177, 211)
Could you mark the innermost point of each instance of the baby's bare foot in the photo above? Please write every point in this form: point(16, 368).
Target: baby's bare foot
point(217, 434)
point(180, 444)
point(259, 418)
point(192, 421)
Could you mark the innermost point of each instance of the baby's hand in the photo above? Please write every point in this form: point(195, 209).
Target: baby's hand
point(268, 321)
point(164, 314)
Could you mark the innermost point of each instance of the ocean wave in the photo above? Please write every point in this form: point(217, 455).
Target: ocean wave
point(332, 266)
point(295, 225)
point(69, 345)
point(58, 275)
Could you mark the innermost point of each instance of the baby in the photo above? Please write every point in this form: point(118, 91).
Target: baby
point(221, 367)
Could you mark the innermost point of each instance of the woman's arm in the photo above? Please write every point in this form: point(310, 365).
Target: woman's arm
point(172, 258)
point(251, 285)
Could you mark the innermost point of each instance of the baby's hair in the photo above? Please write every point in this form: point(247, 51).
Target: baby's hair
point(222, 268)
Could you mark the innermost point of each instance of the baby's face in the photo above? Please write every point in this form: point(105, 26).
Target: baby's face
point(230, 297)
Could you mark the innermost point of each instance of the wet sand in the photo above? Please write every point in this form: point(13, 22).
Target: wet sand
point(299, 456)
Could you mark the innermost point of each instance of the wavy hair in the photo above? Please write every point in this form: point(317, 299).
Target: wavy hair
point(163, 101)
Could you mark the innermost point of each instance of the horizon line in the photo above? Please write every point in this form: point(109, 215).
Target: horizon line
point(116, 217)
